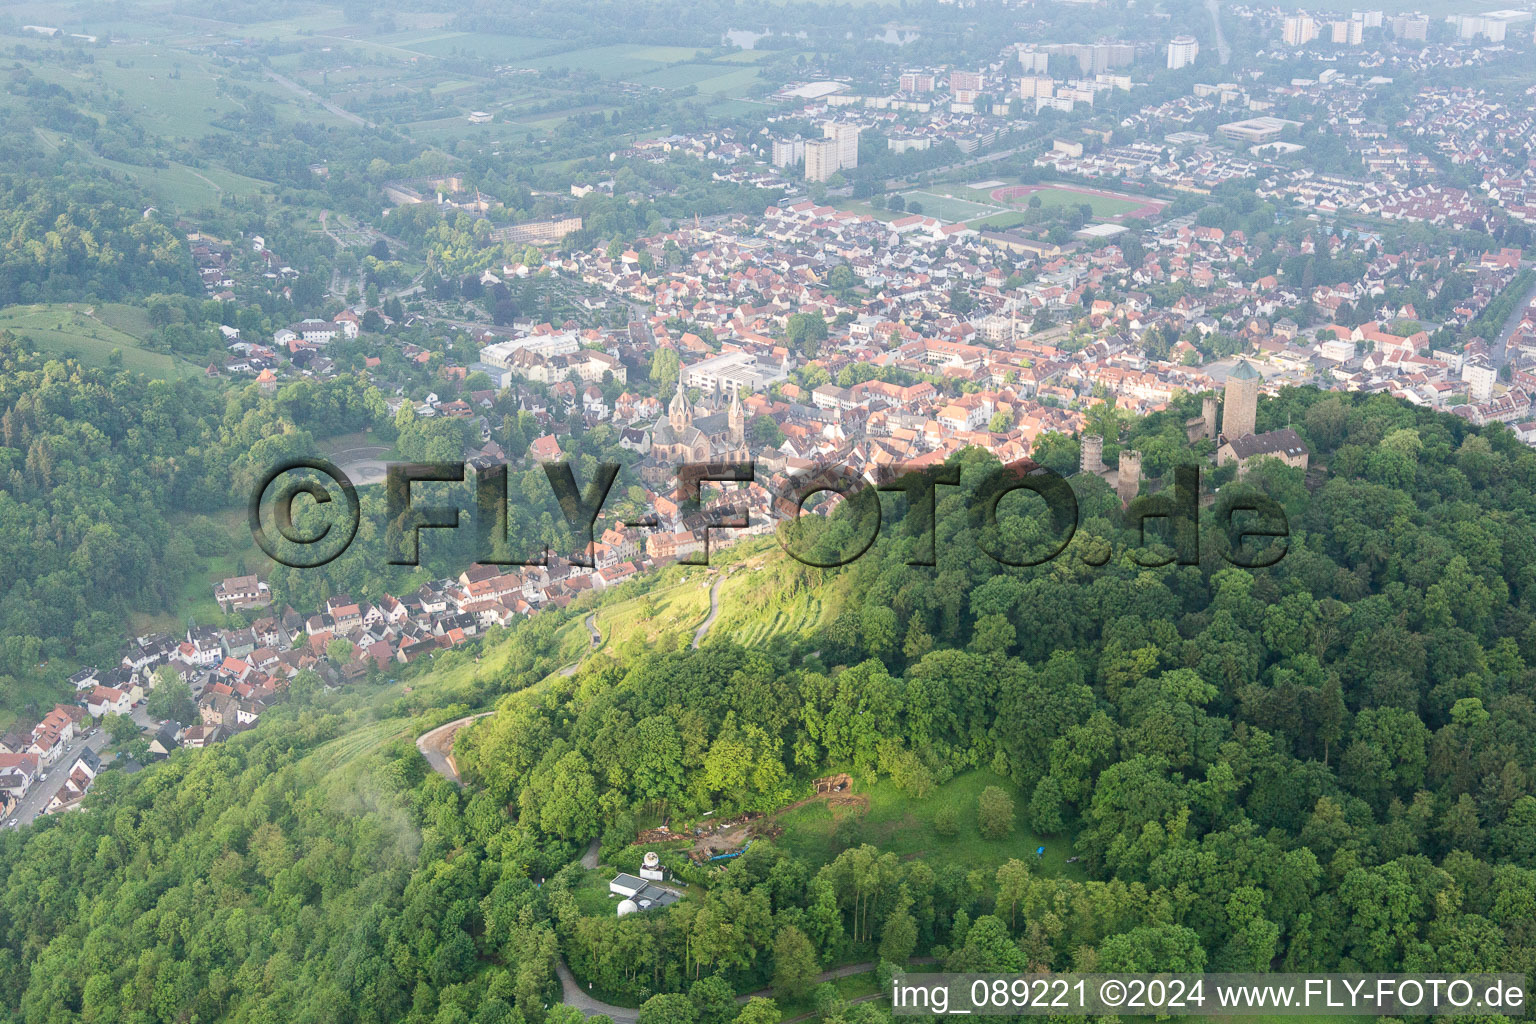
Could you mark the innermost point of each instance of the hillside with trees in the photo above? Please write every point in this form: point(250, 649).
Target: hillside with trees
point(1323, 765)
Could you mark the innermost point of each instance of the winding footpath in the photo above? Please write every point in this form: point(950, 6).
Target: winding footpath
point(437, 746)
point(714, 610)
point(572, 994)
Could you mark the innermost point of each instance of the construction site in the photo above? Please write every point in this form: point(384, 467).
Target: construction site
point(724, 839)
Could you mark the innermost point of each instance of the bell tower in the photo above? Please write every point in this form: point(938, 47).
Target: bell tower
point(736, 420)
point(680, 413)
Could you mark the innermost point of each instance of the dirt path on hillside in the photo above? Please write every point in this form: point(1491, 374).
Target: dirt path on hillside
point(437, 746)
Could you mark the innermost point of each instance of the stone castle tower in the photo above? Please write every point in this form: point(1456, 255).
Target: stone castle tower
point(1128, 481)
point(1208, 414)
point(1240, 406)
point(1092, 459)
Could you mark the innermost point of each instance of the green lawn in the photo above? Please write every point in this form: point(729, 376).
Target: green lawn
point(711, 79)
point(619, 60)
point(1001, 221)
point(592, 896)
point(195, 598)
point(898, 823)
point(91, 334)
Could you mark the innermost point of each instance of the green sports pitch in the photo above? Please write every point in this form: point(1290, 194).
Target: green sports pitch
point(947, 208)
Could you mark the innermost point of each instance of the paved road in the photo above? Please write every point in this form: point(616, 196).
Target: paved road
point(437, 746)
point(1500, 347)
point(345, 115)
point(43, 789)
point(362, 465)
point(573, 994)
point(714, 610)
point(591, 621)
point(1223, 50)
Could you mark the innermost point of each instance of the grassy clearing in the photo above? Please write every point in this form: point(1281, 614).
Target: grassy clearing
point(855, 986)
point(1001, 221)
point(904, 826)
point(91, 334)
point(356, 744)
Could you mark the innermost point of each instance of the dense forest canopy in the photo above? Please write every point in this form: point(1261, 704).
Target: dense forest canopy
point(1324, 765)
point(105, 481)
point(84, 240)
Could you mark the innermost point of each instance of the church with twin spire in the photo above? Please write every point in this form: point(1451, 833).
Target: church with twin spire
point(694, 435)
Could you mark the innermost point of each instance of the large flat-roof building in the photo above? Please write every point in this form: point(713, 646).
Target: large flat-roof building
point(1256, 130)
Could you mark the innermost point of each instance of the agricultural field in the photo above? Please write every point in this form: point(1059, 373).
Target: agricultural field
point(619, 60)
point(754, 613)
point(673, 610)
point(492, 46)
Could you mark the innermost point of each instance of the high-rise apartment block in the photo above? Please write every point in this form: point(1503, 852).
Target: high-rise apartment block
point(966, 81)
point(820, 159)
point(1182, 51)
point(847, 138)
point(1299, 30)
point(788, 152)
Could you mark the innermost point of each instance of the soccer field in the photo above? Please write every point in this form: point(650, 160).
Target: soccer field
point(947, 208)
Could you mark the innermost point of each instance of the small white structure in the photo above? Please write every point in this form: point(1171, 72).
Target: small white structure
point(651, 869)
point(627, 907)
point(626, 885)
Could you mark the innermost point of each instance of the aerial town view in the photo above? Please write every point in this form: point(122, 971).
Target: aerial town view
point(669, 512)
